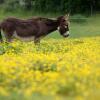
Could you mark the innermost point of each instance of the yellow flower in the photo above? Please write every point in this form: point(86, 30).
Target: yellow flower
point(55, 67)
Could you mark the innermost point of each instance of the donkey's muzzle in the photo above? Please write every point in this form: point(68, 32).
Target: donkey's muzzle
point(66, 34)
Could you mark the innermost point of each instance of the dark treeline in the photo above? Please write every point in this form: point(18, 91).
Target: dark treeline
point(60, 6)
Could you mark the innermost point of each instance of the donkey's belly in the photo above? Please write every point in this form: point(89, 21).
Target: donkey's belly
point(23, 38)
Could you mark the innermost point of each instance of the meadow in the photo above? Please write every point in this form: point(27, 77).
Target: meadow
point(56, 69)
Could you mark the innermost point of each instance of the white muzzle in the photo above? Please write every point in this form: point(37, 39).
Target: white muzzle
point(66, 34)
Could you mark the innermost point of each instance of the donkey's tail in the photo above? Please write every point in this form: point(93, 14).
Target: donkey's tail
point(0, 33)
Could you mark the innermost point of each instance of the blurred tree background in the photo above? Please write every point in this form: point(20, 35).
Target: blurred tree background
point(46, 6)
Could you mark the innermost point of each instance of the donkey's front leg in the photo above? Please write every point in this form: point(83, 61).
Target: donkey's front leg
point(1, 39)
point(36, 40)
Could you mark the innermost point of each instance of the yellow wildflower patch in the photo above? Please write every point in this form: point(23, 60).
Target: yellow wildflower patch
point(65, 67)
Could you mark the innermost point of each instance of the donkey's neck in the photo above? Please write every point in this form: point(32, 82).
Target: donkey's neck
point(53, 26)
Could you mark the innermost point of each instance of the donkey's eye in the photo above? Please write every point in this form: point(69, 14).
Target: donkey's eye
point(64, 20)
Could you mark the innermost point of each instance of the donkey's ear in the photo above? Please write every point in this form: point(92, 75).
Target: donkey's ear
point(67, 16)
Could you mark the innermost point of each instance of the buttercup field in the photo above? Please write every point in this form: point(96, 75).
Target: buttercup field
point(57, 68)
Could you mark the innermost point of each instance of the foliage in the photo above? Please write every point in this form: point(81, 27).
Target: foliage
point(62, 6)
point(55, 67)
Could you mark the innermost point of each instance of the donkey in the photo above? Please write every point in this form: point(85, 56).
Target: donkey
point(33, 29)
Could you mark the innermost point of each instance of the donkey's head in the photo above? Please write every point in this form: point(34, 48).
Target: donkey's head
point(63, 26)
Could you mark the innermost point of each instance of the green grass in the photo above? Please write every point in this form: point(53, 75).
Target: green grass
point(35, 96)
